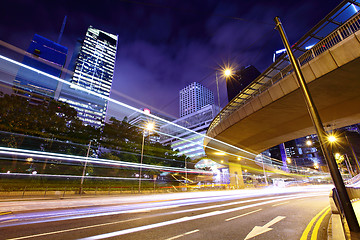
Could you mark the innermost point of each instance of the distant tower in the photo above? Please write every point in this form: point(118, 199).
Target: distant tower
point(44, 56)
point(93, 70)
point(241, 79)
point(194, 97)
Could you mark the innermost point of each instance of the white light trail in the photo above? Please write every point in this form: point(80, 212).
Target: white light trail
point(122, 104)
point(73, 158)
point(185, 219)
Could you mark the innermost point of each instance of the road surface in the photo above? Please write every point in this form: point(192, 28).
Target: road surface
point(244, 214)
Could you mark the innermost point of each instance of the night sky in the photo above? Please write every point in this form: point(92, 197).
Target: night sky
point(165, 45)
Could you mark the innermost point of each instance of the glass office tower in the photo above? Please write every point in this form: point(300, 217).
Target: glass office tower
point(94, 64)
point(43, 56)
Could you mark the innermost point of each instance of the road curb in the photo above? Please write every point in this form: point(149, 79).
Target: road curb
point(335, 228)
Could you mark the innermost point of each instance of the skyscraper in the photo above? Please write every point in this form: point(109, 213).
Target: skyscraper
point(194, 97)
point(94, 69)
point(241, 79)
point(197, 110)
point(45, 56)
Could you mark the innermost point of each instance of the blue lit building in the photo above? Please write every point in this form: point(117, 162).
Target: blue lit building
point(94, 64)
point(46, 56)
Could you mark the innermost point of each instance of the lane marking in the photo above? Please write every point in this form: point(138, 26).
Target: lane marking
point(82, 215)
point(257, 230)
point(241, 202)
point(317, 225)
point(279, 204)
point(180, 220)
point(4, 213)
point(229, 219)
point(11, 220)
point(182, 235)
point(295, 196)
point(309, 226)
point(72, 229)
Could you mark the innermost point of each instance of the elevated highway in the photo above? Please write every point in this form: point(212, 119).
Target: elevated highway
point(271, 110)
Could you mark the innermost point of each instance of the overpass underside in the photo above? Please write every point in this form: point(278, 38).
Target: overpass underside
point(279, 113)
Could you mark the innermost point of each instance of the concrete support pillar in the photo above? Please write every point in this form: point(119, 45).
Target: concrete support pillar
point(236, 176)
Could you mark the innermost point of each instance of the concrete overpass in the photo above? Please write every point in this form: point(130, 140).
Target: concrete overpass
point(271, 110)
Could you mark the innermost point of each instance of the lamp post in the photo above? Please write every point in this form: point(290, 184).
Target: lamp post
point(315, 117)
point(217, 88)
point(185, 174)
point(226, 73)
point(149, 127)
point(84, 169)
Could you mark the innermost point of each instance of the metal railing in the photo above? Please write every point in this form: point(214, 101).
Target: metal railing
point(282, 67)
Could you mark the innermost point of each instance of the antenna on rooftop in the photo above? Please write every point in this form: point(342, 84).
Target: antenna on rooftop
point(62, 30)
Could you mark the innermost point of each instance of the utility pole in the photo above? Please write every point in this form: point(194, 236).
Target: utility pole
point(315, 117)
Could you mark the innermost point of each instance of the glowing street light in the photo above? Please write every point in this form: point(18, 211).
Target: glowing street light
point(227, 72)
point(332, 138)
point(316, 165)
point(308, 142)
point(150, 126)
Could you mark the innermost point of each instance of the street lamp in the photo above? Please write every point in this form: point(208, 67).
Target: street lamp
point(149, 127)
point(332, 138)
point(315, 117)
point(226, 72)
point(84, 169)
point(316, 165)
point(308, 142)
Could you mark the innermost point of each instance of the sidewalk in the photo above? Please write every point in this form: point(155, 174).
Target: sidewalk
point(336, 230)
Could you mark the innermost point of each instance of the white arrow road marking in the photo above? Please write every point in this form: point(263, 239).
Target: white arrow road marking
point(260, 230)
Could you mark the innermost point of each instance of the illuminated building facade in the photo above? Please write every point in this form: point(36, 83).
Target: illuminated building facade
point(186, 142)
point(93, 70)
point(194, 97)
point(240, 80)
point(44, 56)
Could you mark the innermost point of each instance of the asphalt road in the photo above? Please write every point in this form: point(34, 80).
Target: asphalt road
point(258, 214)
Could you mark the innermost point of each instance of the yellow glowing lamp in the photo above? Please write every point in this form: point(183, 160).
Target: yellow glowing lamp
point(332, 138)
point(150, 126)
point(227, 72)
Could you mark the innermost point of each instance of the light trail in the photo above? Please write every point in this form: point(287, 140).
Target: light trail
point(123, 104)
point(70, 176)
point(184, 219)
point(126, 106)
point(74, 158)
point(63, 215)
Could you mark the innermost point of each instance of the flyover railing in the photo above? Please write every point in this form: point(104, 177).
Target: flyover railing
point(282, 67)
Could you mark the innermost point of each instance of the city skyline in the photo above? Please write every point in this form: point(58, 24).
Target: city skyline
point(188, 44)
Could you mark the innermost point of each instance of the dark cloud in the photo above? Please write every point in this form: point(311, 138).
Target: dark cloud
point(165, 45)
